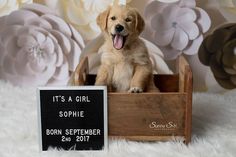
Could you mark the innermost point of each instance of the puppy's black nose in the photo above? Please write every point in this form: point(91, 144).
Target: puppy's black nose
point(119, 28)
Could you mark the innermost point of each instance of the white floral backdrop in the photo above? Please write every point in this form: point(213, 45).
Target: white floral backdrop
point(81, 14)
point(7, 6)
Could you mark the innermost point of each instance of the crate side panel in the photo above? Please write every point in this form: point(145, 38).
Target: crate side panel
point(146, 114)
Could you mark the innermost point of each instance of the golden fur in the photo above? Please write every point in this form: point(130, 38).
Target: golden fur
point(128, 68)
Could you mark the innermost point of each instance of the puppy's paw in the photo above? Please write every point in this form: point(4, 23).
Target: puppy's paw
point(135, 90)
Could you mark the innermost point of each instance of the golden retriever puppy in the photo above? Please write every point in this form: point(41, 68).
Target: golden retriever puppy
point(125, 63)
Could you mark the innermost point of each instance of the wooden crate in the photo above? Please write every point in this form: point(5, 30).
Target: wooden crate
point(149, 116)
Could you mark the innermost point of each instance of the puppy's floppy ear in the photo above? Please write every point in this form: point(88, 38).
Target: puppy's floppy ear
point(140, 24)
point(102, 19)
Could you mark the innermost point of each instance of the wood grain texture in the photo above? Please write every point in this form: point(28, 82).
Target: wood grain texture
point(167, 83)
point(79, 76)
point(186, 86)
point(188, 90)
point(130, 115)
point(181, 69)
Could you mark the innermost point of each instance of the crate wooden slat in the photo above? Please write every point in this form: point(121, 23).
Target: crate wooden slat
point(131, 116)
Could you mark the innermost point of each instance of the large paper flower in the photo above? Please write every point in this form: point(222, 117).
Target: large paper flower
point(7, 6)
point(81, 14)
point(37, 47)
point(218, 51)
point(176, 27)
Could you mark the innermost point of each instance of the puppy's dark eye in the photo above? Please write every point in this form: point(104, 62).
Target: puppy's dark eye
point(128, 20)
point(113, 18)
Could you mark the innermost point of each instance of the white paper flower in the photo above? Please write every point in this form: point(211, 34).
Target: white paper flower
point(81, 14)
point(7, 6)
point(37, 47)
point(176, 27)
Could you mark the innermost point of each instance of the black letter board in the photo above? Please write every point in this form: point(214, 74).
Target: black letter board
point(73, 118)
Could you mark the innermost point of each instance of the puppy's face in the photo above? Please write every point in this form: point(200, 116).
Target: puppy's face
point(121, 24)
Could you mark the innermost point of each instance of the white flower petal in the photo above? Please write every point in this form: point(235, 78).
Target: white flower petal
point(13, 30)
point(159, 22)
point(11, 47)
point(87, 33)
point(40, 37)
point(180, 40)
point(186, 15)
point(164, 38)
point(50, 59)
point(48, 46)
point(23, 2)
point(171, 11)
point(62, 72)
point(168, 1)
point(153, 7)
point(78, 15)
point(7, 7)
point(7, 65)
point(63, 41)
point(26, 40)
point(2, 22)
point(20, 17)
point(44, 77)
point(203, 20)
point(60, 56)
point(193, 46)
point(191, 29)
point(38, 66)
point(157, 58)
point(39, 22)
point(96, 5)
point(159, 65)
point(187, 3)
point(93, 26)
point(58, 24)
point(170, 53)
point(165, 20)
point(55, 5)
point(21, 64)
point(24, 30)
point(2, 53)
point(77, 37)
point(74, 56)
point(152, 48)
point(55, 82)
point(39, 9)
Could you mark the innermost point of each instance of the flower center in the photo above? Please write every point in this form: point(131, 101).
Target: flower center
point(36, 53)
